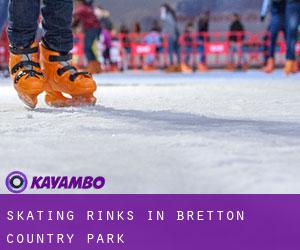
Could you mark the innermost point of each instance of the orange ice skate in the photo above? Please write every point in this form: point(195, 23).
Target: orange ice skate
point(296, 67)
point(26, 74)
point(270, 66)
point(202, 67)
point(171, 69)
point(230, 67)
point(186, 68)
point(94, 67)
point(290, 67)
point(148, 68)
point(245, 67)
point(63, 78)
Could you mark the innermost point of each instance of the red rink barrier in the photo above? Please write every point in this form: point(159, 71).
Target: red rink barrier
point(78, 50)
point(141, 51)
point(144, 50)
point(4, 54)
point(298, 48)
point(216, 48)
point(221, 48)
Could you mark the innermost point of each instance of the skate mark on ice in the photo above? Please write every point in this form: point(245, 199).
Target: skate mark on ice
point(169, 120)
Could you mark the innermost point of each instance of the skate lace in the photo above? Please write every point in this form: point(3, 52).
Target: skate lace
point(27, 64)
point(64, 61)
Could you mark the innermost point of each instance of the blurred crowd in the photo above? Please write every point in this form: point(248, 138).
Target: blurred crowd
point(102, 46)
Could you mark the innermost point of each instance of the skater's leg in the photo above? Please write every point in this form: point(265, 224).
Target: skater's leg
point(202, 60)
point(243, 56)
point(61, 76)
point(276, 25)
point(3, 13)
point(178, 52)
point(202, 55)
point(292, 23)
point(23, 22)
point(24, 64)
point(185, 66)
point(233, 51)
point(171, 50)
point(57, 21)
point(89, 38)
point(187, 55)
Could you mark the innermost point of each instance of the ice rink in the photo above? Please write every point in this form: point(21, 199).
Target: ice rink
point(156, 133)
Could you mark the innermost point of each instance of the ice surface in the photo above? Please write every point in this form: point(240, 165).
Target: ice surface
point(156, 133)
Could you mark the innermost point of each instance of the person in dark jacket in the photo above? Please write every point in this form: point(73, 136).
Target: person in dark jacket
point(84, 15)
point(236, 29)
point(236, 38)
point(170, 28)
point(277, 24)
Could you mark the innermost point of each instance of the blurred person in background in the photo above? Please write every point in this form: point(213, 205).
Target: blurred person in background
point(188, 40)
point(292, 13)
point(236, 39)
point(277, 24)
point(203, 28)
point(265, 47)
point(105, 42)
point(136, 37)
point(115, 52)
point(126, 45)
point(124, 32)
point(170, 28)
point(104, 18)
point(84, 15)
point(153, 38)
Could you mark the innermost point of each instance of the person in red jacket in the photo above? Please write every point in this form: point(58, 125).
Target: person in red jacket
point(84, 15)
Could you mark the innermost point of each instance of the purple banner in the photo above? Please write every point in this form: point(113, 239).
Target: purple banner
point(132, 222)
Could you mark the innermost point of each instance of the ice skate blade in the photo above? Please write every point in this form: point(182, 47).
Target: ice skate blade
point(84, 101)
point(57, 100)
point(29, 101)
point(59, 104)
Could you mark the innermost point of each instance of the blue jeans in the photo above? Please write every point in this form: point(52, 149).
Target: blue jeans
point(292, 23)
point(236, 51)
point(173, 48)
point(3, 13)
point(57, 19)
point(188, 51)
point(201, 49)
point(277, 24)
point(90, 36)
